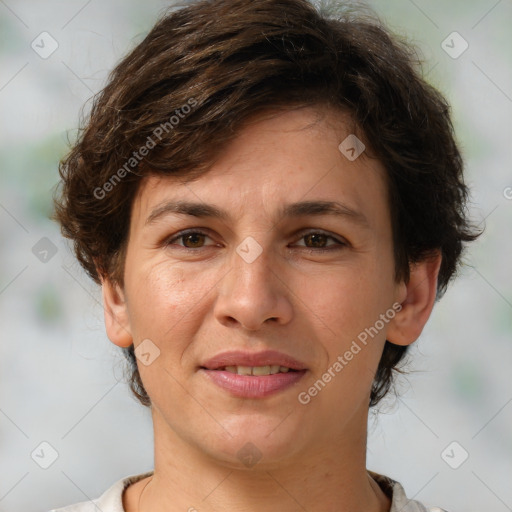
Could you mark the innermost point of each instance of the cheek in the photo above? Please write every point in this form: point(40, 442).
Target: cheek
point(164, 308)
point(163, 297)
point(347, 300)
point(350, 306)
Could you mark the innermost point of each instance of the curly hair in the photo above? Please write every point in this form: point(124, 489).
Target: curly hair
point(213, 63)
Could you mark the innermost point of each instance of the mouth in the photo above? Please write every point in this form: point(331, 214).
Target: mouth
point(253, 375)
point(267, 362)
point(253, 370)
point(247, 385)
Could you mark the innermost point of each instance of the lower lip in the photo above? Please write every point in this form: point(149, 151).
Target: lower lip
point(253, 386)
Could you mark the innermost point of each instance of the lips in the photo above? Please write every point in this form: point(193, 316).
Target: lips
point(242, 358)
point(249, 386)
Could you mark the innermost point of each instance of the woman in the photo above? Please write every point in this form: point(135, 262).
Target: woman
point(272, 200)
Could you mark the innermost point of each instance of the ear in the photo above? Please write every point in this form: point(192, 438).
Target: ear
point(117, 321)
point(417, 300)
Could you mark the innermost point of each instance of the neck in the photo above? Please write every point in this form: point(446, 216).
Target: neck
point(329, 476)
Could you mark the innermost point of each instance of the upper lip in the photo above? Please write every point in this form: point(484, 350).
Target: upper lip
point(264, 358)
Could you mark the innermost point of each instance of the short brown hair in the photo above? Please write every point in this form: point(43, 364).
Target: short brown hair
point(229, 59)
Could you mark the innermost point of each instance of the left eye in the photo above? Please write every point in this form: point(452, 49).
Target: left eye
point(319, 239)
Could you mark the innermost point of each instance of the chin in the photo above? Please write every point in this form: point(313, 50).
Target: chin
point(256, 443)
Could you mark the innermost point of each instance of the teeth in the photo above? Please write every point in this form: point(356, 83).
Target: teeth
point(256, 370)
point(244, 370)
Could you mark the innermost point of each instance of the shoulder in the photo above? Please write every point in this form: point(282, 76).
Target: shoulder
point(110, 501)
point(399, 500)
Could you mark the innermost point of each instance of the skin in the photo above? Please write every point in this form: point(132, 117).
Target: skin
point(195, 303)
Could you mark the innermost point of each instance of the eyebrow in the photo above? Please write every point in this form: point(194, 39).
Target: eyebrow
point(300, 209)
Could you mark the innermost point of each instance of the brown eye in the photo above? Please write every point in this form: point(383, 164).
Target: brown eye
point(320, 241)
point(189, 239)
point(194, 239)
point(317, 239)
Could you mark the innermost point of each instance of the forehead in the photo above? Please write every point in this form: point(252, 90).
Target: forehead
point(277, 158)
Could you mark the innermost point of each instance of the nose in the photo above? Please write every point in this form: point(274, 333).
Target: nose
point(254, 294)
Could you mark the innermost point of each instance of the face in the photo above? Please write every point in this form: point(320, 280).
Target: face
point(280, 271)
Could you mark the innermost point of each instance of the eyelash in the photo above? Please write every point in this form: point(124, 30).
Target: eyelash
point(340, 243)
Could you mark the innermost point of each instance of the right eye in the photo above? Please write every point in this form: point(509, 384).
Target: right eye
point(193, 237)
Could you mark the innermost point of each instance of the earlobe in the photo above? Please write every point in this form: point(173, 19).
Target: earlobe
point(420, 295)
point(117, 322)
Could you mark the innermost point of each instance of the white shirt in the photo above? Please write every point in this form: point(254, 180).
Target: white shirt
point(112, 499)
